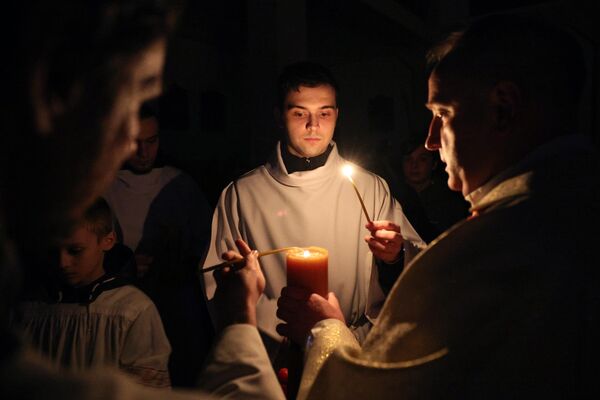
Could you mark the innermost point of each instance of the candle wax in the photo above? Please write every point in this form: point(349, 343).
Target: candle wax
point(307, 268)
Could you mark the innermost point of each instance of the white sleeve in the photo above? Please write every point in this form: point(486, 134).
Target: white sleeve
point(224, 231)
point(146, 350)
point(239, 367)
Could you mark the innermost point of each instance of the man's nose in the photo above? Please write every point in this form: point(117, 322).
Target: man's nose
point(433, 136)
point(65, 260)
point(142, 149)
point(130, 130)
point(313, 122)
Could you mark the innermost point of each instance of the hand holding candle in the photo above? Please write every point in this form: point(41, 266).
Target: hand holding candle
point(385, 240)
point(306, 301)
point(347, 170)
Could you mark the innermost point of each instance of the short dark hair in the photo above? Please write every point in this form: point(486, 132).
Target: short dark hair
point(303, 73)
point(98, 218)
point(545, 61)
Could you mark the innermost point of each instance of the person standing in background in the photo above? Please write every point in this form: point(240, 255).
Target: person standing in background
point(164, 217)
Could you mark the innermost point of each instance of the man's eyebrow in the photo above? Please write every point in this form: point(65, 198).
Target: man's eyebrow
point(150, 138)
point(291, 105)
point(437, 104)
point(149, 81)
point(72, 244)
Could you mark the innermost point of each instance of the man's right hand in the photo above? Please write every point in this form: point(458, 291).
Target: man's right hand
point(301, 310)
point(238, 289)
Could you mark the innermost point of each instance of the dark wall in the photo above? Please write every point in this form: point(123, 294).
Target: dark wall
point(224, 58)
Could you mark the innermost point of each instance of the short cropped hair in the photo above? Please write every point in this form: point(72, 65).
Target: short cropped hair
point(303, 73)
point(98, 218)
point(545, 61)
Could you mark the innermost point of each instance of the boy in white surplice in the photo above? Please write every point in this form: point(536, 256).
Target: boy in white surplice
point(93, 318)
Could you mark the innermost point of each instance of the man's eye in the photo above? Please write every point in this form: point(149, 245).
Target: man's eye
point(298, 114)
point(441, 114)
point(325, 114)
point(74, 250)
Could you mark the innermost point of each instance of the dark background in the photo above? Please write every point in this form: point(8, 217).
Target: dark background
point(223, 59)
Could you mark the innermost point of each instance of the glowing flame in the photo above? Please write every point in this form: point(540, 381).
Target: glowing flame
point(347, 170)
point(306, 253)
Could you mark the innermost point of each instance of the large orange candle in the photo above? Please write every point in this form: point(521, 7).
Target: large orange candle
point(307, 268)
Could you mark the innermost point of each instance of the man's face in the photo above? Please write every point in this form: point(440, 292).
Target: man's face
point(82, 255)
point(460, 131)
point(143, 159)
point(418, 166)
point(309, 116)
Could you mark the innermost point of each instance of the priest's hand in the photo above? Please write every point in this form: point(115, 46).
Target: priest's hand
point(385, 241)
point(301, 310)
point(238, 288)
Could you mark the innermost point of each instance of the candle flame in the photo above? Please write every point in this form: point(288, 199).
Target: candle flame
point(347, 170)
point(306, 253)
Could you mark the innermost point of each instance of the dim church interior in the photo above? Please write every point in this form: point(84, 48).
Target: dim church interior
point(217, 108)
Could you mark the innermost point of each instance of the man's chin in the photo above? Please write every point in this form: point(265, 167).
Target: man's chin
point(139, 169)
point(313, 152)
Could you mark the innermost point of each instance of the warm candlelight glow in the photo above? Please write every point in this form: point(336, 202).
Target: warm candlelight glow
point(347, 170)
point(307, 268)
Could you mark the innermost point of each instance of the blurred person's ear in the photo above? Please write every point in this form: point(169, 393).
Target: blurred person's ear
point(108, 241)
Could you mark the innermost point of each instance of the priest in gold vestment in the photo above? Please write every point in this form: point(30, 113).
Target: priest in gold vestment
point(505, 303)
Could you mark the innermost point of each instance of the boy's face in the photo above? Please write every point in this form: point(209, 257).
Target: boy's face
point(82, 256)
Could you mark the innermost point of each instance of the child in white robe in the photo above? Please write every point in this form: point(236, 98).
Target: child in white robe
point(93, 318)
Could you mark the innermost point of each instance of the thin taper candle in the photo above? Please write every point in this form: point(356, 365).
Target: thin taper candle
point(348, 172)
point(240, 261)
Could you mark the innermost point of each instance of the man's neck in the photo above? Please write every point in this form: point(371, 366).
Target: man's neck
point(294, 163)
point(138, 172)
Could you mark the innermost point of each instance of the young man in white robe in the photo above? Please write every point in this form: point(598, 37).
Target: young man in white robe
point(301, 198)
